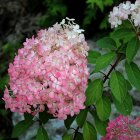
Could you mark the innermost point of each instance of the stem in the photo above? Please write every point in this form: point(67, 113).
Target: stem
point(102, 73)
point(138, 33)
point(112, 68)
point(132, 25)
point(105, 78)
point(76, 132)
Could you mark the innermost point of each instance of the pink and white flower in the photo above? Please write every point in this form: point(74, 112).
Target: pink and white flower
point(125, 11)
point(123, 128)
point(50, 71)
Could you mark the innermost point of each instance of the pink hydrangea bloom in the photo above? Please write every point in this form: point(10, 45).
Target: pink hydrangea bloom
point(50, 70)
point(122, 128)
point(125, 11)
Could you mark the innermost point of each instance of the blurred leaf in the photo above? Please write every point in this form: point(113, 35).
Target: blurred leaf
point(55, 11)
point(81, 117)
point(1, 137)
point(89, 131)
point(3, 112)
point(103, 107)
point(118, 86)
point(28, 116)
point(79, 136)
point(104, 60)
point(132, 48)
point(21, 127)
point(92, 56)
point(98, 3)
point(43, 21)
point(89, 15)
point(69, 121)
point(123, 33)
point(7, 47)
point(129, 86)
point(104, 23)
point(91, 2)
point(108, 2)
point(127, 25)
point(58, 9)
point(3, 82)
point(45, 116)
point(94, 92)
point(133, 74)
point(67, 137)
point(42, 134)
point(100, 125)
point(107, 43)
point(124, 107)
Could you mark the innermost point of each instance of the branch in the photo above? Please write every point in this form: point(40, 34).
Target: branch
point(112, 68)
point(105, 78)
point(76, 132)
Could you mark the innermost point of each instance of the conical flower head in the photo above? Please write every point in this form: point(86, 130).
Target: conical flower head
point(50, 71)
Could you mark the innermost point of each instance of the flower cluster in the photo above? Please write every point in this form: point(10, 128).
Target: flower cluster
point(50, 71)
point(125, 11)
point(122, 128)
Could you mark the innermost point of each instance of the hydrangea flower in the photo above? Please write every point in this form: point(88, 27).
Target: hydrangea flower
point(125, 11)
point(122, 128)
point(50, 71)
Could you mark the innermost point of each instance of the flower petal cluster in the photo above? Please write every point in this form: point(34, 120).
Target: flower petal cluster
point(50, 71)
point(122, 128)
point(125, 11)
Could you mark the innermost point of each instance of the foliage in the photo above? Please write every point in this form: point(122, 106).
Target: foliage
point(6, 56)
point(97, 6)
point(55, 10)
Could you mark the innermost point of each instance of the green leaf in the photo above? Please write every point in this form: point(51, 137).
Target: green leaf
point(69, 121)
point(21, 127)
point(92, 56)
point(104, 23)
point(98, 3)
point(104, 60)
point(129, 86)
point(89, 131)
point(123, 33)
point(100, 125)
point(45, 116)
point(108, 2)
point(124, 107)
point(94, 91)
point(3, 112)
point(79, 136)
point(107, 43)
point(3, 81)
point(118, 86)
point(42, 134)
point(133, 74)
point(28, 116)
point(126, 25)
point(81, 117)
point(67, 137)
point(103, 107)
point(132, 48)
